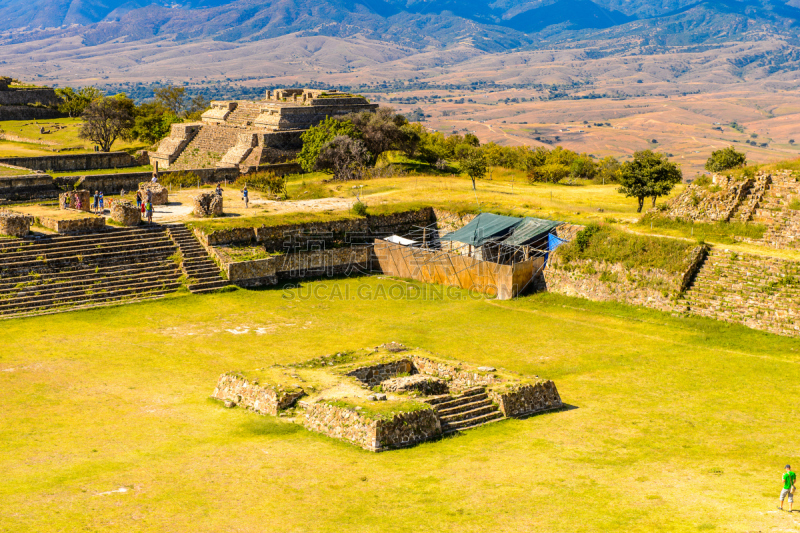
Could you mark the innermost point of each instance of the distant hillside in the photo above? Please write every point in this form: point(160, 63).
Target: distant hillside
point(486, 25)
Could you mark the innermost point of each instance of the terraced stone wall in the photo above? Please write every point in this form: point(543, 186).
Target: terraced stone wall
point(32, 186)
point(601, 281)
point(756, 291)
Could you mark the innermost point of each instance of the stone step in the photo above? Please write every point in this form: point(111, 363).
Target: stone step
point(451, 431)
point(76, 251)
point(470, 423)
point(89, 282)
point(79, 274)
point(70, 302)
point(107, 303)
point(474, 411)
point(107, 233)
point(464, 407)
point(94, 259)
point(448, 401)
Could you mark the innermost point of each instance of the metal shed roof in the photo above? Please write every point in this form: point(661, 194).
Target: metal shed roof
point(530, 230)
point(483, 227)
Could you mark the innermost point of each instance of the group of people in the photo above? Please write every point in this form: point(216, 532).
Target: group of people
point(97, 202)
point(145, 204)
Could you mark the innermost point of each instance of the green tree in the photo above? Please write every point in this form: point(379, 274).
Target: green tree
point(473, 162)
point(384, 131)
point(107, 119)
point(345, 157)
point(650, 174)
point(583, 167)
point(318, 136)
point(725, 159)
point(171, 97)
point(608, 170)
point(74, 102)
point(548, 173)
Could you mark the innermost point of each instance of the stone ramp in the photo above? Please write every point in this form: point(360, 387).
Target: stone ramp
point(470, 409)
point(757, 291)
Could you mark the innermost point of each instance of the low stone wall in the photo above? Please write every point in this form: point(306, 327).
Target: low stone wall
point(459, 379)
point(257, 397)
point(43, 96)
point(601, 281)
point(27, 187)
point(259, 272)
point(27, 112)
point(342, 423)
point(403, 429)
point(374, 375)
point(274, 238)
point(82, 225)
point(447, 222)
point(207, 204)
point(408, 429)
point(15, 224)
point(125, 213)
point(70, 162)
point(74, 199)
point(422, 383)
point(523, 400)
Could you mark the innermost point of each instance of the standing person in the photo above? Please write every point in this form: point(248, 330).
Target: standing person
point(788, 487)
point(245, 197)
point(138, 199)
point(218, 190)
point(149, 195)
point(121, 193)
point(102, 205)
point(149, 209)
point(78, 203)
point(142, 209)
point(96, 201)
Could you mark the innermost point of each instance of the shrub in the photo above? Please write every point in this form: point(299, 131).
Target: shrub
point(360, 208)
point(702, 181)
point(179, 179)
point(584, 236)
point(266, 182)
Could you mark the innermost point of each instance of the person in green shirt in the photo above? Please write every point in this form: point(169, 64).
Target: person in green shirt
point(788, 487)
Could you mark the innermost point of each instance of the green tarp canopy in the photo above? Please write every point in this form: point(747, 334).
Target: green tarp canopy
point(530, 230)
point(482, 228)
point(487, 226)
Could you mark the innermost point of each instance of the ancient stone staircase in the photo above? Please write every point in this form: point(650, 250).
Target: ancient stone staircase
point(203, 273)
point(468, 410)
point(245, 114)
point(61, 273)
point(747, 205)
point(775, 212)
point(207, 147)
point(757, 291)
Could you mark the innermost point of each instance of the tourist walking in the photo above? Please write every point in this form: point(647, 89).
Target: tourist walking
point(138, 199)
point(96, 201)
point(245, 197)
point(789, 478)
point(149, 210)
point(141, 207)
point(102, 204)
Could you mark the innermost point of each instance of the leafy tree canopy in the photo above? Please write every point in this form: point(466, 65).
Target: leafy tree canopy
point(725, 159)
point(650, 174)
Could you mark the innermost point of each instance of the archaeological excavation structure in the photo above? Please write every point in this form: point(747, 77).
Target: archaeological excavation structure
point(387, 397)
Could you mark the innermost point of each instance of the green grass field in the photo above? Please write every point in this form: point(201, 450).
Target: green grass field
point(63, 137)
point(676, 424)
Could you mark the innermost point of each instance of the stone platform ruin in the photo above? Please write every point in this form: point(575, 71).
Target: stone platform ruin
point(247, 134)
point(387, 397)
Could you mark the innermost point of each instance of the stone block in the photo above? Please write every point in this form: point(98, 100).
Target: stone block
point(15, 224)
point(207, 204)
point(125, 213)
point(159, 195)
